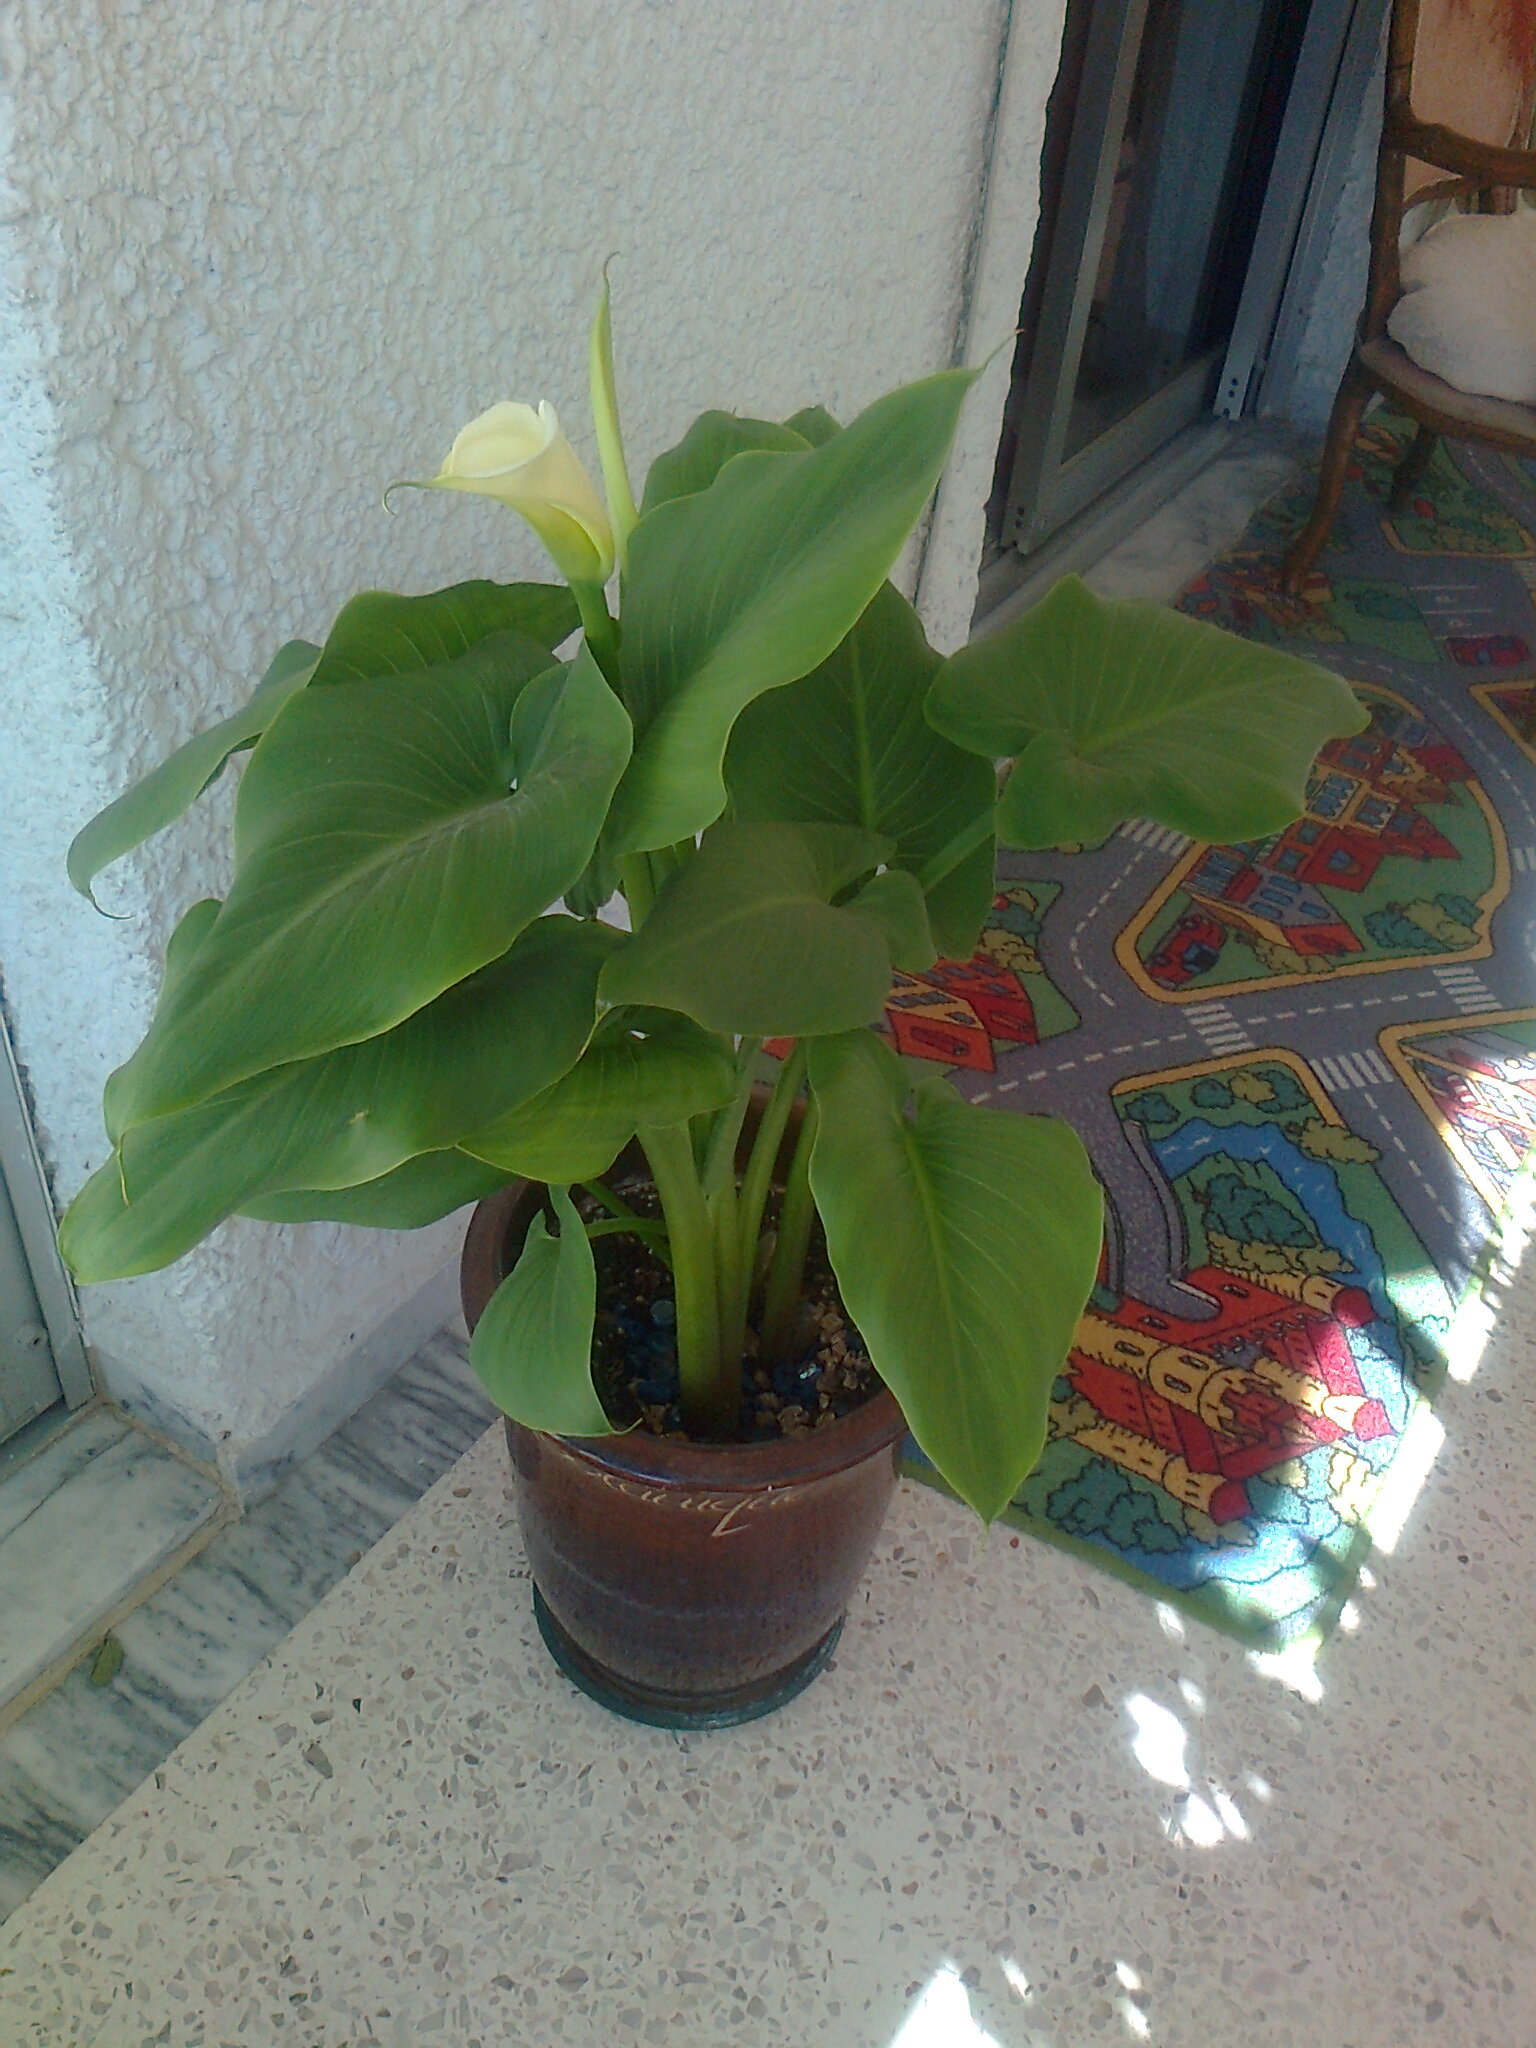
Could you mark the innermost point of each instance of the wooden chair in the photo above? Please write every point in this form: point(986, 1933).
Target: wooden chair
point(1479, 171)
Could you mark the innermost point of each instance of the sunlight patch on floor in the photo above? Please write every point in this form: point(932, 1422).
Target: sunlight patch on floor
point(942, 2016)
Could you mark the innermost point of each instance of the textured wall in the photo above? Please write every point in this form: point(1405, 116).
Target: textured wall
point(264, 255)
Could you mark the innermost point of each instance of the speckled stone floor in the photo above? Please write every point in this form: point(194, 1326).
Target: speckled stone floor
point(67, 1762)
point(1026, 1807)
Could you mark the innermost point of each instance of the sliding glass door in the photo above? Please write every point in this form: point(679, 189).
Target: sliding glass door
point(1161, 134)
point(43, 1363)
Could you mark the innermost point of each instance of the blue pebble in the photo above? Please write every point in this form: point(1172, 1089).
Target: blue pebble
point(664, 1313)
point(797, 1382)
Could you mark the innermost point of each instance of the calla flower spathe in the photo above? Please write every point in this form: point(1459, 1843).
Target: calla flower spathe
point(521, 457)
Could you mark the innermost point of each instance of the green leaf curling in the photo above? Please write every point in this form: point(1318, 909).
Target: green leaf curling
point(813, 423)
point(965, 1242)
point(170, 790)
point(706, 448)
point(421, 1191)
point(532, 1348)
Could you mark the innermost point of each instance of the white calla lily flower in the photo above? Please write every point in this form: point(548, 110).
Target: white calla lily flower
point(521, 457)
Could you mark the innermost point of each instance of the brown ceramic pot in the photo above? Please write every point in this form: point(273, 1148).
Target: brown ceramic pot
point(688, 1585)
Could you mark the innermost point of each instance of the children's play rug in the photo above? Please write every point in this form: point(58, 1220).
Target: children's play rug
point(1305, 1067)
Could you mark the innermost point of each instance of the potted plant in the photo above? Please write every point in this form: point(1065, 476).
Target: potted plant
point(407, 1000)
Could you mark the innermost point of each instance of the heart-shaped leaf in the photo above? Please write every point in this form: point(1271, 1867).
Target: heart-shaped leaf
point(643, 1066)
point(746, 937)
point(965, 1242)
point(381, 633)
point(422, 1191)
point(849, 745)
point(532, 1348)
point(894, 902)
point(1120, 710)
point(350, 1115)
point(750, 583)
point(706, 448)
point(170, 790)
point(389, 842)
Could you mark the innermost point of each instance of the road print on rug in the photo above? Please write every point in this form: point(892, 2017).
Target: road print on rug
point(1305, 1068)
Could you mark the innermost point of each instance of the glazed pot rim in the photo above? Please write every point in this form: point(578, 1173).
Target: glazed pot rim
point(673, 1461)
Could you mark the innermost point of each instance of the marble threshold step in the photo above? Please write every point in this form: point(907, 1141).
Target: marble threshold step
point(90, 1525)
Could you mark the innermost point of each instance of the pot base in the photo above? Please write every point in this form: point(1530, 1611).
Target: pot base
point(680, 1710)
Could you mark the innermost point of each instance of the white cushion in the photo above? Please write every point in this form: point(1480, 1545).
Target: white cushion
point(1468, 310)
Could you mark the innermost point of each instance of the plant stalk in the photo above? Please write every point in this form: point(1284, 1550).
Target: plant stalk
point(597, 624)
point(635, 881)
point(765, 1152)
point(786, 1272)
point(709, 1382)
point(725, 1135)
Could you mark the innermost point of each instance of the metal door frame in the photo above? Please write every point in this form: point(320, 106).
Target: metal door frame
point(1110, 57)
point(1044, 491)
point(1353, 102)
point(1302, 193)
point(27, 1189)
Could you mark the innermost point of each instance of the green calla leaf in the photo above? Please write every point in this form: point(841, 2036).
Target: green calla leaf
point(532, 1348)
point(180, 949)
point(422, 1191)
point(350, 1115)
point(849, 745)
point(389, 841)
point(965, 1242)
point(706, 448)
point(750, 583)
point(644, 1066)
point(1117, 710)
point(813, 423)
point(895, 903)
point(381, 633)
point(746, 936)
point(170, 790)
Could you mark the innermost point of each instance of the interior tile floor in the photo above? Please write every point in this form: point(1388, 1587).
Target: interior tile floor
point(67, 1763)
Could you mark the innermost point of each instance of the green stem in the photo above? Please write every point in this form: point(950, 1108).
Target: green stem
point(948, 858)
point(732, 1281)
point(726, 1132)
point(765, 1152)
point(710, 1392)
point(652, 1235)
point(786, 1273)
point(600, 1191)
point(646, 1228)
point(639, 894)
point(597, 624)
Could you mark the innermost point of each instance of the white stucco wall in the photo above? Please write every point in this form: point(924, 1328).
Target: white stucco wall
point(261, 256)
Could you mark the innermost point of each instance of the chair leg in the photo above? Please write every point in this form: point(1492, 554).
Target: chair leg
point(1348, 411)
point(1410, 471)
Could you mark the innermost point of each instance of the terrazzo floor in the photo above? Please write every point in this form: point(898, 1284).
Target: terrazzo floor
point(1026, 1807)
point(68, 1762)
